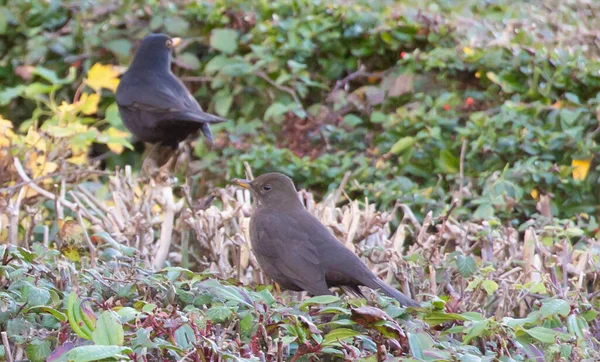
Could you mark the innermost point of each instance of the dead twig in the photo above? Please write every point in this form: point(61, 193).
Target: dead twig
point(87, 240)
point(41, 191)
point(166, 231)
point(14, 211)
point(54, 174)
point(282, 88)
point(7, 352)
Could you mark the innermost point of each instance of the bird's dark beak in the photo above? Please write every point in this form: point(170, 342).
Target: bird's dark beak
point(175, 41)
point(242, 183)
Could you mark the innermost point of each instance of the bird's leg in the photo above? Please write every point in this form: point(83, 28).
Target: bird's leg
point(165, 171)
point(149, 165)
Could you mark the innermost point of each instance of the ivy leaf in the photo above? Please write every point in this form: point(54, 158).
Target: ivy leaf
point(224, 40)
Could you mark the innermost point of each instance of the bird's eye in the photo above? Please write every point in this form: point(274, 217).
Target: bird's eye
point(266, 187)
point(169, 44)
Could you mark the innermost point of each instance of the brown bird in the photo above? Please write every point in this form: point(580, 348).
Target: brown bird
point(297, 251)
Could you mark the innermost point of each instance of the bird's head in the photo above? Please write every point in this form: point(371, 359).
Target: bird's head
point(155, 50)
point(271, 190)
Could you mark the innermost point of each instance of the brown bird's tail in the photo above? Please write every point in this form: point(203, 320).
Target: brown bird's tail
point(376, 283)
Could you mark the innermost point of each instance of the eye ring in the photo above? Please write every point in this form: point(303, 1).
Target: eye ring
point(266, 187)
point(169, 44)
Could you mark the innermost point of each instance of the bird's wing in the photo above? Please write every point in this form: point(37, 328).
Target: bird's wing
point(284, 241)
point(172, 100)
point(345, 265)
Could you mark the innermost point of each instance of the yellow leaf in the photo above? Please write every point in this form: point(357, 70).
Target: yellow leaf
point(103, 76)
point(66, 108)
point(39, 166)
point(71, 253)
point(535, 194)
point(34, 139)
point(580, 169)
point(88, 103)
point(6, 132)
point(113, 132)
point(78, 160)
point(477, 74)
point(468, 51)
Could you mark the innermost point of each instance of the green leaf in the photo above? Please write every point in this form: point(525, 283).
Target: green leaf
point(341, 333)
point(275, 111)
point(216, 64)
point(554, 307)
point(489, 286)
point(466, 265)
point(224, 40)
point(590, 315)
point(419, 343)
point(223, 102)
point(574, 232)
point(225, 292)
point(96, 353)
point(476, 329)
point(352, 120)
point(35, 89)
point(185, 336)
point(120, 47)
point(219, 314)
point(8, 94)
point(378, 117)
point(448, 163)
point(113, 117)
point(436, 317)
point(47, 74)
point(38, 350)
point(188, 61)
point(148, 307)
point(109, 331)
point(402, 145)
point(542, 334)
point(576, 325)
point(176, 25)
point(36, 295)
point(45, 309)
point(319, 299)
point(532, 318)
point(127, 314)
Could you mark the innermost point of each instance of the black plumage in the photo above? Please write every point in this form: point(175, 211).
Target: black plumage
point(297, 251)
point(154, 104)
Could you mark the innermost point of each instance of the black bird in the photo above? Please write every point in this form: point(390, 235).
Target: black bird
point(154, 105)
point(297, 251)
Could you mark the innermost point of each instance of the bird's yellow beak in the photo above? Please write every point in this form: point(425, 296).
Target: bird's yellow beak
point(175, 42)
point(242, 183)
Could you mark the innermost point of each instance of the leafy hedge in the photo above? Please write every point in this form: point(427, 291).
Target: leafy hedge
point(380, 90)
point(492, 104)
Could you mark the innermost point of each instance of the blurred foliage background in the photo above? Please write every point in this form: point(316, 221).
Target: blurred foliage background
point(421, 103)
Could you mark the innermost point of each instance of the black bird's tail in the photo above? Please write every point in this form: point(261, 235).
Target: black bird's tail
point(376, 283)
point(203, 117)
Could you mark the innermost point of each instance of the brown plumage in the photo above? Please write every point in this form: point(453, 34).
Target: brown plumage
point(297, 251)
